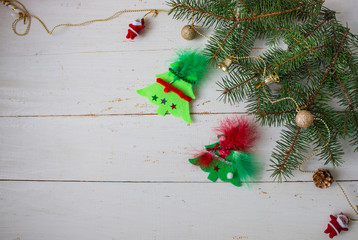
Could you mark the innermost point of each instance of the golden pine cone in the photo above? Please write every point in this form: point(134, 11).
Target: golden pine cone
point(322, 178)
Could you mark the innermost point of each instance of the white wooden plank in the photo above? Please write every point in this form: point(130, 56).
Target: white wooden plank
point(92, 211)
point(345, 12)
point(122, 148)
point(78, 71)
point(161, 32)
point(93, 83)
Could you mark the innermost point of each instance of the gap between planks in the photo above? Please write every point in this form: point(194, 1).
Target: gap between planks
point(104, 52)
point(114, 115)
point(169, 182)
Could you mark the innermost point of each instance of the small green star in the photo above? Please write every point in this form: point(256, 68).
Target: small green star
point(154, 98)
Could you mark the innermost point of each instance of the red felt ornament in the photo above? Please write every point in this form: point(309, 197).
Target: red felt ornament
point(337, 224)
point(134, 28)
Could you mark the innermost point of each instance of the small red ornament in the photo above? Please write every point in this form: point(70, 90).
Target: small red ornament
point(337, 224)
point(134, 28)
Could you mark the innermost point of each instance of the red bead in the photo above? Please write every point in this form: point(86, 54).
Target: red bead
point(166, 90)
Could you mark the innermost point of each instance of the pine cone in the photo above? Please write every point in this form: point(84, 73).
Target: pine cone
point(322, 178)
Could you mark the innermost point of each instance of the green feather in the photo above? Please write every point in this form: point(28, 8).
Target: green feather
point(189, 66)
point(246, 166)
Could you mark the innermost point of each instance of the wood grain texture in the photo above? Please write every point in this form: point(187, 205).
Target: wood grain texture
point(82, 156)
point(123, 148)
point(93, 83)
point(167, 211)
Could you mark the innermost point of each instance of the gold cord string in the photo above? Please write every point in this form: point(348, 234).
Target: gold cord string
point(28, 16)
point(349, 202)
point(305, 171)
point(279, 100)
point(308, 157)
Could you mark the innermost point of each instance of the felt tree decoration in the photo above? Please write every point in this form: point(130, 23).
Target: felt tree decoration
point(173, 90)
point(229, 159)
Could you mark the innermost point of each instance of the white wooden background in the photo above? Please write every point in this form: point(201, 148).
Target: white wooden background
point(82, 156)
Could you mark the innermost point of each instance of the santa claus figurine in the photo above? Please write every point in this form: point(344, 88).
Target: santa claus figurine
point(135, 27)
point(337, 224)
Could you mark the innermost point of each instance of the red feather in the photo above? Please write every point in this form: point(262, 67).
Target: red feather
point(204, 160)
point(239, 133)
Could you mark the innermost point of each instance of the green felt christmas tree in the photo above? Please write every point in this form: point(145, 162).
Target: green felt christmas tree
point(316, 62)
point(226, 170)
point(230, 159)
point(173, 90)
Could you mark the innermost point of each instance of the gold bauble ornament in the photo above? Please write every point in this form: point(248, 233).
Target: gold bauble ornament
point(304, 119)
point(188, 32)
point(322, 178)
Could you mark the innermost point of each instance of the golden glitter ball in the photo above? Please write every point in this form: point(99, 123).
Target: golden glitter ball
point(188, 32)
point(304, 119)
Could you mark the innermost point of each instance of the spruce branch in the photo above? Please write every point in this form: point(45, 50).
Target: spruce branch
point(227, 7)
point(248, 7)
point(224, 40)
point(351, 111)
point(324, 143)
point(291, 91)
point(319, 66)
point(286, 153)
point(328, 119)
point(329, 67)
point(308, 68)
point(177, 5)
point(282, 164)
point(334, 31)
point(264, 113)
point(344, 90)
point(244, 35)
point(332, 153)
point(328, 16)
point(302, 53)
